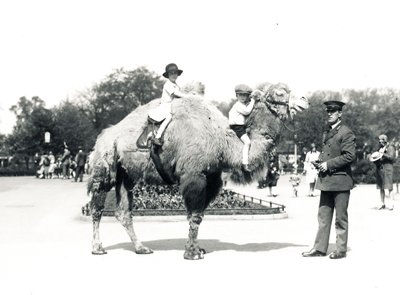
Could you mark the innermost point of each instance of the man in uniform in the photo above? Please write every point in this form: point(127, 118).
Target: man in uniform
point(335, 182)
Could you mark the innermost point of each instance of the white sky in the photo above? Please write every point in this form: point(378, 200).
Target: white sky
point(54, 49)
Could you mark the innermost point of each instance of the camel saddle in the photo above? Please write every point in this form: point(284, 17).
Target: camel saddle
point(149, 132)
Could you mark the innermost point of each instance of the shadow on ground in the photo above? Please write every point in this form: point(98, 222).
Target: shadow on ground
point(209, 245)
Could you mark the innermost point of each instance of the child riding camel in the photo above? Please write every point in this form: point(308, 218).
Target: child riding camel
point(237, 117)
point(163, 112)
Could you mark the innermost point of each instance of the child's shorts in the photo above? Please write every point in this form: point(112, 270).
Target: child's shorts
point(240, 130)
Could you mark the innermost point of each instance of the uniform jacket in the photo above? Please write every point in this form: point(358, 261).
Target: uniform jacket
point(338, 151)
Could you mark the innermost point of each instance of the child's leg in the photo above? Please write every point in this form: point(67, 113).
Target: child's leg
point(164, 125)
point(246, 148)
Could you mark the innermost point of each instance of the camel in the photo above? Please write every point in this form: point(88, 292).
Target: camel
point(198, 146)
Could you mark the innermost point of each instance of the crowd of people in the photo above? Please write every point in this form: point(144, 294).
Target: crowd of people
point(65, 166)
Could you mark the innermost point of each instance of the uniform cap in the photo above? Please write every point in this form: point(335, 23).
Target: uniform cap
point(333, 105)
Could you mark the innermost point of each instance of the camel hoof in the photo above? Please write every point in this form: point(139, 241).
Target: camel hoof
point(143, 250)
point(194, 255)
point(98, 250)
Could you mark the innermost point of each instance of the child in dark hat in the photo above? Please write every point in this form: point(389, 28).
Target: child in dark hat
point(163, 113)
point(237, 114)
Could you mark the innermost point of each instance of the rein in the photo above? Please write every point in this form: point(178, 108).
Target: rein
point(284, 103)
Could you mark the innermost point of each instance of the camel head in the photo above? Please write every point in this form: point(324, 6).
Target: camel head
point(274, 105)
point(278, 99)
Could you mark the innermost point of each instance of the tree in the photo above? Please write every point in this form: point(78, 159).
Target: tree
point(33, 120)
point(73, 127)
point(109, 101)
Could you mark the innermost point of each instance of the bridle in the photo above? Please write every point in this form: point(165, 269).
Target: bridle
point(268, 102)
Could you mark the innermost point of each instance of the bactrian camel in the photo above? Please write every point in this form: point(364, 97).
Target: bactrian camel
point(198, 146)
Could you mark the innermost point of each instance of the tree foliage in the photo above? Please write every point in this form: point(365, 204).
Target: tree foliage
point(33, 120)
point(77, 123)
point(72, 127)
point(368, 113)
point(109, 101)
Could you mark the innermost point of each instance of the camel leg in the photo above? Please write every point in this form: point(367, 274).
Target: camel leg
point(97, 203)
point(192, 248)
point(202, 196)
point(193, 189)
point(124, 216)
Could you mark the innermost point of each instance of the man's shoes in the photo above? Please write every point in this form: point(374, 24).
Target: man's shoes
point(157, 141)
point(313, 253)
point(245, 168)
point(337, 255)
point(382, 207)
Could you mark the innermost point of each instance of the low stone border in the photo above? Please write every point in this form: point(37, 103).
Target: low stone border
point(177, 218)
point(259, 208)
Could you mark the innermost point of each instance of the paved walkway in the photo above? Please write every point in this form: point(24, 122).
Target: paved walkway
point(45, 247)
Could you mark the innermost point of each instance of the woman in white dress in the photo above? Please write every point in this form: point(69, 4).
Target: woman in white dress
point(311, 171)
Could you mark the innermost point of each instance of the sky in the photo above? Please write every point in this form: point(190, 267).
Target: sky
point(56, 49)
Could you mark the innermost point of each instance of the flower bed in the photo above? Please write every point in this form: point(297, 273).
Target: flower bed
point(151, 200)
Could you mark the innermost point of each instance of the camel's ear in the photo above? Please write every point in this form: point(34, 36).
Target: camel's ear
point(256, 95)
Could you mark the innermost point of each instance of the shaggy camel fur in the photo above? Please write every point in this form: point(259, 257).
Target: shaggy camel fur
point(198, 146)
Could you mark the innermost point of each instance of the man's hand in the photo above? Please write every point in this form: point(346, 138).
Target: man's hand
point(323, 167)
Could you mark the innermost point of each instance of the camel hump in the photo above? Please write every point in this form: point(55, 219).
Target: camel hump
point(198, 111)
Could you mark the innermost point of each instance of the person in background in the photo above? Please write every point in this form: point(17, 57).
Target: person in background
point(40, 172)
point(36, 161)
point(272, 176)
point(52, 166)
point(46, 165)
point(302, 158)
point(65, 162)
point(72, 168)
point(310, 170)
point(335, 182)
point(384, 172)
point(80, 160)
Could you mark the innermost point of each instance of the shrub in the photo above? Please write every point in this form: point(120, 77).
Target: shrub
point(16, 171)
point(364, 172)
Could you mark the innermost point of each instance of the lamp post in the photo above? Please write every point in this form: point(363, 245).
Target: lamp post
point(47, 136)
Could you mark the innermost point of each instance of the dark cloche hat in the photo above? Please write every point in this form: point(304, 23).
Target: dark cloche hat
point(170, 68)
point(333, 105)
point(243, 88)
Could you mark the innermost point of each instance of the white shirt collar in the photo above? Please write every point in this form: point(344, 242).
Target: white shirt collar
point(335, 125)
